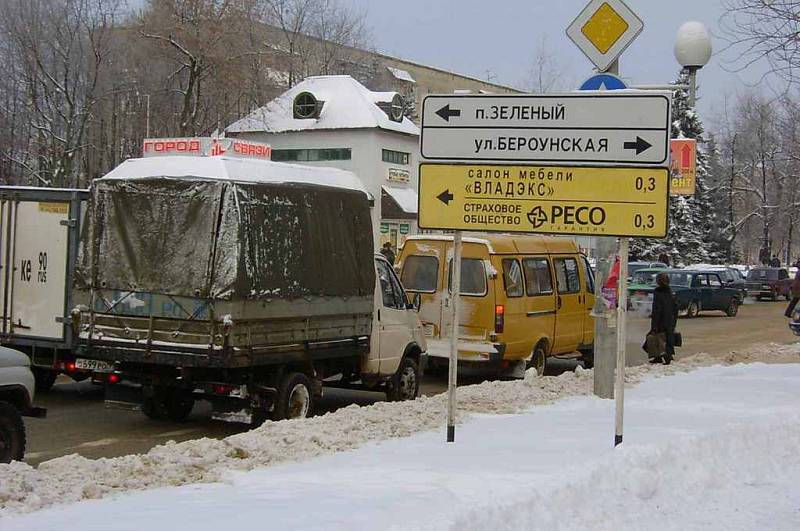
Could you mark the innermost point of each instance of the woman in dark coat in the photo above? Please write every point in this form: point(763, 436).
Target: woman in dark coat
point(664, 317)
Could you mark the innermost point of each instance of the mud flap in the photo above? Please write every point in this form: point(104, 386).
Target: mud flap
point(124, 397)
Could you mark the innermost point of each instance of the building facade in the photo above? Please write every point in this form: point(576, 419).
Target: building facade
point(336, 121)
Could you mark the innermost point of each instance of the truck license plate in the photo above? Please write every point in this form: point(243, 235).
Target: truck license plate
point(94, 365)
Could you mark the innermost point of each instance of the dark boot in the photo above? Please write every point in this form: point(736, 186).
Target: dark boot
point(667, 359)
point(656, 359)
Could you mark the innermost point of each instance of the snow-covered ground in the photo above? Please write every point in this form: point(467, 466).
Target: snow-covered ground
point(716, 447)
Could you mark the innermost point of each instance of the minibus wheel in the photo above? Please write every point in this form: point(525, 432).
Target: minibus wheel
point(539, 359)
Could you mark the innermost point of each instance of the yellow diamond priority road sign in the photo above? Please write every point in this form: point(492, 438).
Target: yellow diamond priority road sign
point(579, 200)
point(603, 30)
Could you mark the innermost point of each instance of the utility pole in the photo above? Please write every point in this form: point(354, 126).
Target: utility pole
point(604, 333)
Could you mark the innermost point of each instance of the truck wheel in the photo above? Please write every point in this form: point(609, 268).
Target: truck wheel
point(404, 385)
point(295, 398)
point(45, 378)
point(178, 405)
point(12, 434)
point(153, 408)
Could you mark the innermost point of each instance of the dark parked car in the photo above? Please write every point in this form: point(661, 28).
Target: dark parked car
point(730, 276)
point(769, 282)
point(700, 291)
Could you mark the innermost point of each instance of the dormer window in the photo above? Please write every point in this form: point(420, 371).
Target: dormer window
point(305, 106)
point(397, 108)
point(394, 109)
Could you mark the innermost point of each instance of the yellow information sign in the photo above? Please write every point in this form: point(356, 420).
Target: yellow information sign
point(54, 208)
point(592, 201)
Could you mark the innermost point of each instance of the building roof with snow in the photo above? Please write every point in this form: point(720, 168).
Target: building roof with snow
point(343, 103)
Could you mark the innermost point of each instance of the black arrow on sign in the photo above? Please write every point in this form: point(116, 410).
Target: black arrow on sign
point(445, 197)
point(446, 112)
point(640, 145)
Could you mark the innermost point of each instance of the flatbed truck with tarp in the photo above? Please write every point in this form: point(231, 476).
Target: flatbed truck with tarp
point(244, 282)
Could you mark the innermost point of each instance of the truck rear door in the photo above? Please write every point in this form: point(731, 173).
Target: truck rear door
point(35, 266)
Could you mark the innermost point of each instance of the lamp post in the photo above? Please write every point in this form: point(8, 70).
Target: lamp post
point(692, 50)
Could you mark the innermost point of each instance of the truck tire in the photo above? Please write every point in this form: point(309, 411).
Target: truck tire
point(45, 378)
point(404, 385)
point(178, 405)
point(295, 399)
point(12, 434)
point(153, 408)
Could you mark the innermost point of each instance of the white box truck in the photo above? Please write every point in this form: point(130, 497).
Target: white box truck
point(39, 236)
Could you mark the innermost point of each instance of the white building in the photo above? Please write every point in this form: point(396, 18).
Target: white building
point(336, 121)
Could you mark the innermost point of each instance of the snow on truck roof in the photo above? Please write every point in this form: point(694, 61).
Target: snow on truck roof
point(234, 169)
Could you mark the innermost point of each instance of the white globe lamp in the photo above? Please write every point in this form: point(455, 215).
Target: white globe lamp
point(693, 51)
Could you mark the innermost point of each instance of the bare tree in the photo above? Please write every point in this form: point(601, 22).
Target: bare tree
point(768, 29)
point(200, 38)
point(546, 71)
point(56, 51)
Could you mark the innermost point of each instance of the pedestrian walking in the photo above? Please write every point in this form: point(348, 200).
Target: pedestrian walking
point(795, 292)
point(664, 259)
point(775, 262)
point(660, 341)
point(387, 252)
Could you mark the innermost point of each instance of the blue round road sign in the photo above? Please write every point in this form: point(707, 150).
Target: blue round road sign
point(603, 82)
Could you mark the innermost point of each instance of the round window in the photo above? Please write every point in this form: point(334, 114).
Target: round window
point(305, 106)
point(398, 106)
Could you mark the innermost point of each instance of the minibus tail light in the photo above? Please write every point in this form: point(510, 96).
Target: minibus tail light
point(499, 318)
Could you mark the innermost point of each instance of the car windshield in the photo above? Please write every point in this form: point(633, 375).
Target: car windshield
point(633, 267)
point(680, 279)
point(644, 277)
point(762, 274)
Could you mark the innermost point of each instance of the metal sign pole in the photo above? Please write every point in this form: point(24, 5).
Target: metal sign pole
point(453, 366)
point(622, 312)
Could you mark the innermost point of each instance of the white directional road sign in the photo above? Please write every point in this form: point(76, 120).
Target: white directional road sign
point(619, 127)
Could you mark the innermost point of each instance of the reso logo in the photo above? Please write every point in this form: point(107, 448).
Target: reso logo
point(537, 217)
point(567, 215)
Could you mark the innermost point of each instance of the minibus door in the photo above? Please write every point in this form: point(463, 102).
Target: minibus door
point(569, 305)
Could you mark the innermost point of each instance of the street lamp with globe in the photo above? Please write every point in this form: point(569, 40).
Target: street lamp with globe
point(693, 50)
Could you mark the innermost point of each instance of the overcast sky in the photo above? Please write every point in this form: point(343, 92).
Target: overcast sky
point(498, 38)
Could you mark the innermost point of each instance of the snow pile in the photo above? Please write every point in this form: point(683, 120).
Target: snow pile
point(714, 448)
point(73, 478)
point(693, 478)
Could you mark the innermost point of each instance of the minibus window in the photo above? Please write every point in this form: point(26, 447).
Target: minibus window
point(512, 277)
point(567, 279)
point(420, 273)
point(538, 280)
point(473, 277)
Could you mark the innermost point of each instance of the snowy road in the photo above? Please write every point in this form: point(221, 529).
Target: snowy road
point(76, 412)
point(715, 448)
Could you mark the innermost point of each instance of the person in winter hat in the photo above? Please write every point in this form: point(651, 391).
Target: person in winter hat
point(664, 317)
point(387, 252)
